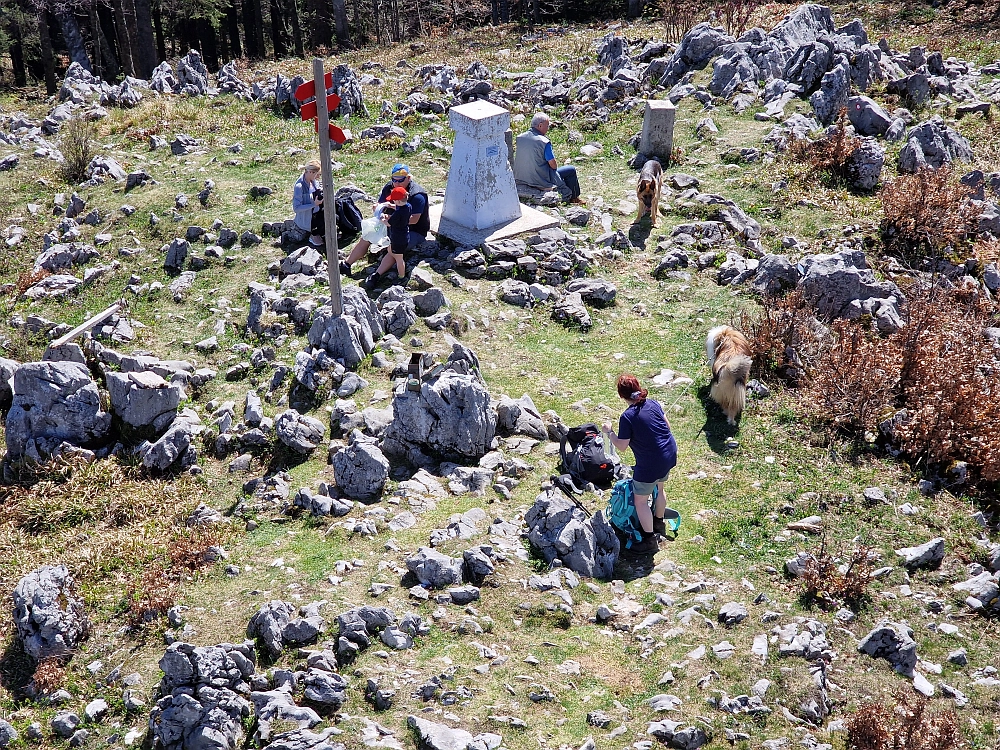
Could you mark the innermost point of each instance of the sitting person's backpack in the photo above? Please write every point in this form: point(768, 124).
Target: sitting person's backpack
point(584, 459)
point(348, 219)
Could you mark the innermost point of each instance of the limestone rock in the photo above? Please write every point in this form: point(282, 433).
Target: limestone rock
point(52, 403)
point(361, 470)
point(928, 555)
point(299, 432)
point(49, 613)
point(451, 418)
point(894, 643)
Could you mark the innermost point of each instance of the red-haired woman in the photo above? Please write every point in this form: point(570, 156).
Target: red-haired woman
point(644, 428)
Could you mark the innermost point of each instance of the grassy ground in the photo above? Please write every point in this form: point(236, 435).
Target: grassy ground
point(112, 526)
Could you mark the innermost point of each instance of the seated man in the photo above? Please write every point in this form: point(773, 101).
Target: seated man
point(535, 164)
point(420, 223)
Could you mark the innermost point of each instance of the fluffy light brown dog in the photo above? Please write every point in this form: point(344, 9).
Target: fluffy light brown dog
point(729, 356)
point(648, 190)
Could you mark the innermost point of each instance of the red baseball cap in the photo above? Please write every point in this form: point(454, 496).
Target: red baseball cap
point(398, 194)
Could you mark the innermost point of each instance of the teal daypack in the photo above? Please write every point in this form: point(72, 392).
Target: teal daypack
point(621, 512)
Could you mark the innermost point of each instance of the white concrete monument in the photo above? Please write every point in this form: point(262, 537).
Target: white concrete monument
point(480, 202)
point(658, 129)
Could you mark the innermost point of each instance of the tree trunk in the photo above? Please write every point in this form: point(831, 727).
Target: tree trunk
point(341, 23)
point(161, 44)
point(634, 8)
point(122, 37)
point(145, 43)
point(277, 30)
point(378, 21)
point(109, 53)
point(95, 34)
point(414, 27)
point(45, 43)
point(73, 38)
point(357, 21)
point(17, 54)
point(257, 7)
point(250, 34)
point(233, 29)
point(293, 17)
point(209, 45)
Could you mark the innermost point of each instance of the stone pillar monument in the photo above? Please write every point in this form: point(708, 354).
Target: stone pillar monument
point(480, 202)
point(658, 130)
point(481, 192)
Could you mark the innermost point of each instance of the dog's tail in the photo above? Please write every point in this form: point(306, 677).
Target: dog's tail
point(712, 342)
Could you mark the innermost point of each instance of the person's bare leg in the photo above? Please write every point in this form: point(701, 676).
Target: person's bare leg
point(357, 252)
point(660, 506)
point(644, 513)
point(400, 266)
point(386, 264)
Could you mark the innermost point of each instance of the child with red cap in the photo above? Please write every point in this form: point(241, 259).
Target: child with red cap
point(396, 214)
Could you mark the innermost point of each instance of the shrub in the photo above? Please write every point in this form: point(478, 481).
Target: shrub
point(949, 386)
point(784, 337)
point(49, 676)
point(736, 15)
point(931, 386)
point(927, 213)
point(906, 726)
point(78, 144)
point(149, 599)
point(853, 379)
point(826, 584)
point(680, 15)
point(829, 156)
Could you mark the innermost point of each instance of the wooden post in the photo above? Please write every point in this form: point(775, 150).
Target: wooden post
point(329, 199)
point(85, 326)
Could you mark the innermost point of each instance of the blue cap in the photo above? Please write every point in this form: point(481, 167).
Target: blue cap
point(400, 170)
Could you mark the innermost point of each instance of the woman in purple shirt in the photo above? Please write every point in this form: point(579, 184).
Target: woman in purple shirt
point(644, 428)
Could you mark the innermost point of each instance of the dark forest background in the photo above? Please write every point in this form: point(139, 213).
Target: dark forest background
point(115, 38)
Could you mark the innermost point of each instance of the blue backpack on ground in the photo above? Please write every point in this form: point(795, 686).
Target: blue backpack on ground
point(622, 514)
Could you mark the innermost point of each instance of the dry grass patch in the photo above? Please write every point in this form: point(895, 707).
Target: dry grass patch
point(101, 520)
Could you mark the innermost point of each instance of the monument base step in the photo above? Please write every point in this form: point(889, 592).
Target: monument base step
point(531, 220)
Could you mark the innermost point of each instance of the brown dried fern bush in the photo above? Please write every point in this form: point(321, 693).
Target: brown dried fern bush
point(950, 388)
point(827, 584)
point(853, 380)
point(785, 338)
point(927, 214)
point(907, 726)
point(931, 388)
point(829, 156)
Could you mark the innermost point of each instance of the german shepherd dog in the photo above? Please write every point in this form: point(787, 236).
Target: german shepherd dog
point(729, 356)
point(648, 190)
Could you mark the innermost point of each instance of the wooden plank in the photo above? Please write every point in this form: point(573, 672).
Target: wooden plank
point(86, 326)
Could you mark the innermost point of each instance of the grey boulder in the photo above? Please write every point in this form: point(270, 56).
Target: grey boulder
point(557, 528)
point(775, 275)
point(350, 336)
point(361, 471)
point(598, 292)
point(53, 402)
point(928, 555)
point(933, 144)
point(451, 418)
point(520, 417)
point(49, 614)
point(299, 432)
point(894, 643)
point(143, 399)
point(434, 569)
point(867, 117)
